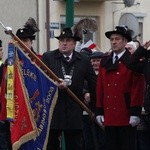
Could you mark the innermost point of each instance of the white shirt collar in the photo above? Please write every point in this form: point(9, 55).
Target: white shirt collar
point(119, 55)
point(70, 56)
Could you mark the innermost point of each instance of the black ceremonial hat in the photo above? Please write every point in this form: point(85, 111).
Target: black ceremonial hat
point(122, 30)
point(67, 33)
point(25, 33)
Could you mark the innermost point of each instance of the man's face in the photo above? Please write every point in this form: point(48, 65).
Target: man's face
point(118, 43)
point(66, 45)
point(1, 53)
point(27, 42)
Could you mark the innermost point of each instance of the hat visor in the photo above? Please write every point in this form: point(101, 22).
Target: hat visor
point(109, 33)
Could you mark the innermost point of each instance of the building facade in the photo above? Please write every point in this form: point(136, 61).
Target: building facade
point(51, 18)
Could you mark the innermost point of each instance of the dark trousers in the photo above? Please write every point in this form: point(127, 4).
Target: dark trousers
point(143, 139)
point(121, 138)
point(143, 133)
point(5, 140)
point(73, 140)
point(94, 137)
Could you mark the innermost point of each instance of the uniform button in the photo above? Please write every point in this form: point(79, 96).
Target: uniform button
point(114, 96)
point(118, 73)
point(115, 84)
point(119, 62)
point(107, 108)
point(114, 108)
point(107, 96)
point(108, 84)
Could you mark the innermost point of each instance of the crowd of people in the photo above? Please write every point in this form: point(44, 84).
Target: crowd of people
point(114, 85)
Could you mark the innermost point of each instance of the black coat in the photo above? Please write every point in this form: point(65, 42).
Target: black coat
point(140, 62)
point(1, 72)
point(67, 113)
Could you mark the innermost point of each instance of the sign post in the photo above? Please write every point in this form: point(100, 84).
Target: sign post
point(69, 13)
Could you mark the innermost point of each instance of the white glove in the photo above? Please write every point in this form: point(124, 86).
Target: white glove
point(100, 120)
point(134, 121)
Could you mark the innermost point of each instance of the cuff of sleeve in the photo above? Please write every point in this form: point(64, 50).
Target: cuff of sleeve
point(135, 111)
point(99, 111)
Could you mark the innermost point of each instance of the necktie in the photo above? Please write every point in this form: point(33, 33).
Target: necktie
point(116, 60)
point(67, 58)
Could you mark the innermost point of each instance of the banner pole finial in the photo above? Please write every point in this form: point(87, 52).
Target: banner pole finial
point(8, 30)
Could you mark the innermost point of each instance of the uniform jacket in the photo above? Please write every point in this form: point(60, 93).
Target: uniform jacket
point(140, 62)
point(119, 91)
point(67, 113)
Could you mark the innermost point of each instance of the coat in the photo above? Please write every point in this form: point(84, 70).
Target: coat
point(140, 62)
point(119, 91)
point(67, 113)
point(1, 72)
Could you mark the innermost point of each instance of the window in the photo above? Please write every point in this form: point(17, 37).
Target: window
point(140, 17)
point(86, 35)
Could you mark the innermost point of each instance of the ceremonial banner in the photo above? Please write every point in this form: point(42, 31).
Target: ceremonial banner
point(23, 128)
point(10, 83)
point(43, 95)
point(19, 112)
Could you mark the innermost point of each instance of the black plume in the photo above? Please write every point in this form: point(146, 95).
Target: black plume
point(31, 24)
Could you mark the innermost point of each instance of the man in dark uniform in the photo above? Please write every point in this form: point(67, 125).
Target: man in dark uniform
point(72, 68)
point(140, 62)
point(28, 33)
point(27, 36)
point(119, 94)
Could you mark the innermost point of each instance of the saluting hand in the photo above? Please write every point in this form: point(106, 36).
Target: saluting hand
point(147, 45)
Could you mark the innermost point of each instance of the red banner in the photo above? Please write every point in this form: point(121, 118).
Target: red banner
point(23, 128)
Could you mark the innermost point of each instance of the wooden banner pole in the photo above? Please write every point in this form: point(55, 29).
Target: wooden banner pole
point(51, 75)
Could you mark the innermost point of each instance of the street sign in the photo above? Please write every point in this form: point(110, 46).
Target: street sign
point(54, 25)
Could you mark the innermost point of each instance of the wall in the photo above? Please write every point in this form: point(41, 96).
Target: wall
point(14, 13)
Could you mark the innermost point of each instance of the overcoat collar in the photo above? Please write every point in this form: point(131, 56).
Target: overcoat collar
point(75, 55)
point(108, 63)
